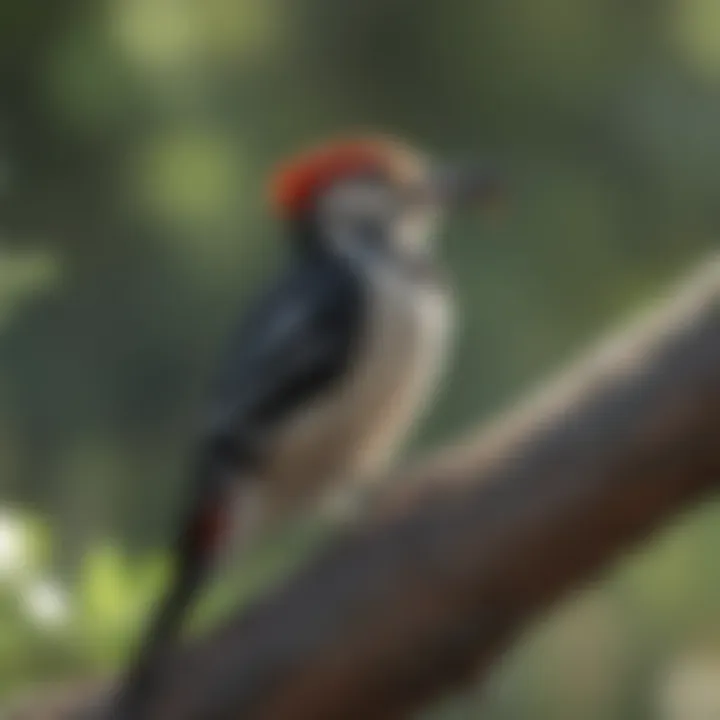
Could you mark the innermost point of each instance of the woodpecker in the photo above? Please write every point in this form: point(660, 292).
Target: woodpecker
point(327, 374)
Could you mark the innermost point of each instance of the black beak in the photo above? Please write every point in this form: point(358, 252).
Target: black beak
point(459, 187)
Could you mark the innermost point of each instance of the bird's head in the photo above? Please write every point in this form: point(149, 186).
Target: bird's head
point(373, 195)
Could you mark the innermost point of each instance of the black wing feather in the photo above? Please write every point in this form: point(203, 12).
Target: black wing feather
point(296, 343)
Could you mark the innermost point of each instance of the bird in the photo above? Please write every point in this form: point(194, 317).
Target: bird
point(332, 367)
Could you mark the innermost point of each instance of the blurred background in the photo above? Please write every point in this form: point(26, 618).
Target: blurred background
point(135, 140)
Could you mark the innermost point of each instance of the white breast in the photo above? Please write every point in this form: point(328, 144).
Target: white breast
point(358, 427)
point(409, 330)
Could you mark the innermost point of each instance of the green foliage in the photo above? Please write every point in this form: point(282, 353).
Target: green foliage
point(23, 276)
point(92, 622)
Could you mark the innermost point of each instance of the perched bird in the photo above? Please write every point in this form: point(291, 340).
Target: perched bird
point(324, 379)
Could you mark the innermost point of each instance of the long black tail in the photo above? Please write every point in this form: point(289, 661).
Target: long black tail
point(165, 629)
point(194, 558)
point(137, 691)
point(202, 533)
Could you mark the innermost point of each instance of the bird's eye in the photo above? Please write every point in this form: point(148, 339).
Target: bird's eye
point(372, 202)
point(415, 195)
point(362, 201)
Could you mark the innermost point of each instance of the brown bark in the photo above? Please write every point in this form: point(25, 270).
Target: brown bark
point(459, 553)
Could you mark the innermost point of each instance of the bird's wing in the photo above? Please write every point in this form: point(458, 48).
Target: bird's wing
point(293, 346)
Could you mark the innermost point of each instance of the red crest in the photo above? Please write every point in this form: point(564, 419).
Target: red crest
point(296, 182)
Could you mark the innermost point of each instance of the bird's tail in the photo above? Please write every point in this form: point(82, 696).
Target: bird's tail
point(164, 629)
point(194, 560)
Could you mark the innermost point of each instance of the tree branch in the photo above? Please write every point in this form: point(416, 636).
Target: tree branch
point(458, 554)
